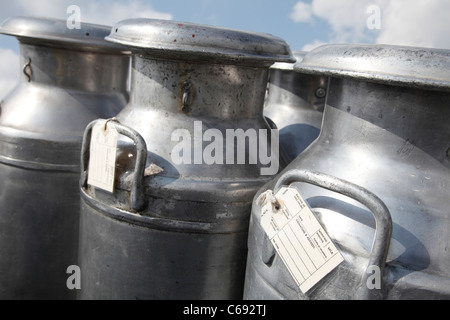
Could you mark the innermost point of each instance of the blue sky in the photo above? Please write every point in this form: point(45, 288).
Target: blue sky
point(268, 16)
point(303, 24)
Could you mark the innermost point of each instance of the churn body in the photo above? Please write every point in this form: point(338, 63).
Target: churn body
point(68, 78)
point(294, 103)
point(385, 129)
point(178, 229)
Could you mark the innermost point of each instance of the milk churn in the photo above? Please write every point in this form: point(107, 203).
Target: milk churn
point(69, 77)
point(294, 103)
point(377, 179)
point(176, 224)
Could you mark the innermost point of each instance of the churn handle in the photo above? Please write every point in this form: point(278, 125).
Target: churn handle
point(383, 220)
point(137, 199)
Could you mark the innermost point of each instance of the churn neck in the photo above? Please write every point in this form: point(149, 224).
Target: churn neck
point(199, 70)
point(198, 88)
point(402, 90)
point(418, 116)
point(69, 68)
point(55, 53)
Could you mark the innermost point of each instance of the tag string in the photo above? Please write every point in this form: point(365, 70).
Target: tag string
point(268, 196)
point(109, 120)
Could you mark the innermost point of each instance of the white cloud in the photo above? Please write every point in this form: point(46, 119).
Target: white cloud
point(347, 18)
point(422, 23)
point(116, 11)
point(100, 11)
point(9, 69)
point(302, 12)
point(311, 46)
point(47, 8)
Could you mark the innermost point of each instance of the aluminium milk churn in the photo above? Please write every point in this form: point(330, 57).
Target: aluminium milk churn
point(294, 103)
point(377, 179)
point(69, 77)
point(176, 222)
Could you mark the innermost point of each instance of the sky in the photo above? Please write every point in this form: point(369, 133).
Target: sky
point(304, 24)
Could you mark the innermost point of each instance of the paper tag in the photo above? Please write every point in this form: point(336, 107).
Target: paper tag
point(102, 161)
point(299, 239)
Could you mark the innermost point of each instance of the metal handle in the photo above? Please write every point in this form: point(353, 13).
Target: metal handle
point(137, 198)
point(383, 220)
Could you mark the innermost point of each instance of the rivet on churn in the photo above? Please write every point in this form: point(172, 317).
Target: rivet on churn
point(321, 93)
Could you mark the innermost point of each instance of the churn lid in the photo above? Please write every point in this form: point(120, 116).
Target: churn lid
point(396, 65)
point(189, 41)
point(55, 32)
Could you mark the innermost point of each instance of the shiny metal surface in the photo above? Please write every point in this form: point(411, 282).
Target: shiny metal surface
point(396, 65)
point(196, 41)
point(393, 141)
point(42, 121)
point(188, 240)
point(295, 103)
point(47, 31)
